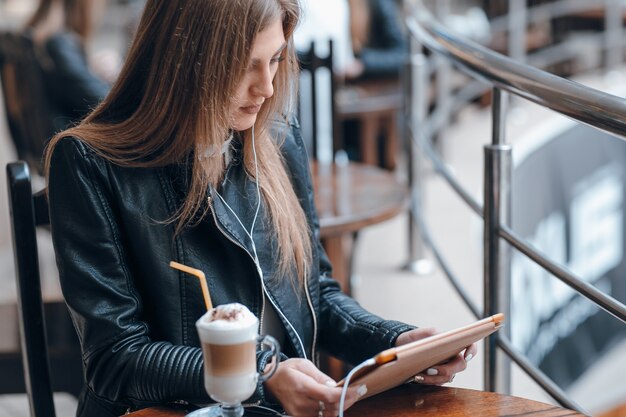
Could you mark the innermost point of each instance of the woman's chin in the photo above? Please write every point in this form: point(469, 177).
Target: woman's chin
point(243, 123)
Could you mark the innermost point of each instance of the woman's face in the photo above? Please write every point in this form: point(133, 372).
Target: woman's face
point(256, 85)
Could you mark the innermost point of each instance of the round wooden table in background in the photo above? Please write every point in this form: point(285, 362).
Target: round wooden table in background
point(348, 198)
point(356, 195)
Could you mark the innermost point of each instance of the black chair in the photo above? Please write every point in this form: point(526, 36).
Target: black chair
point(311, 63)
point(27, 212)
point(28, 112)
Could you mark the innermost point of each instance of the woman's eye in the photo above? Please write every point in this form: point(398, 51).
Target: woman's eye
point(278, 59)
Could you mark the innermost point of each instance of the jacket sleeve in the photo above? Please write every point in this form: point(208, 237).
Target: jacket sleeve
point(346, 330)
point(121, 362)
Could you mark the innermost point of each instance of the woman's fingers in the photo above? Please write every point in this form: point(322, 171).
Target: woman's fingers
point(470, 352)
point(303, 390)
point(321, 397)
point(353, 395)
point(445, 372)
point(330, 398)
point(308, 368)
point(330, 395)
point(415, 334)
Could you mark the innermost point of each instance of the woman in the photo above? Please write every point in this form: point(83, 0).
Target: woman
point(194, 157)
point(60, 30)
point(378, 43)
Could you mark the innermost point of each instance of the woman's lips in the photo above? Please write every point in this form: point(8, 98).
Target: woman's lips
point(251, 109)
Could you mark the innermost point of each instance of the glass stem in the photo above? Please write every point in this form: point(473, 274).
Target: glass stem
point(232, 410)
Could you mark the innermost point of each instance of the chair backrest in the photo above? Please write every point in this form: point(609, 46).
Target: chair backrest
point(28, 211)
point(316, 98)
point(23, 87)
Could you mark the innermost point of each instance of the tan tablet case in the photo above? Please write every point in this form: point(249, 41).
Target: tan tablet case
point(413, 358)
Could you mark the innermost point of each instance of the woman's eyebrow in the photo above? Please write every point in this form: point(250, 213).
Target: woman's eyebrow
point(282, 47)
point(257, 61)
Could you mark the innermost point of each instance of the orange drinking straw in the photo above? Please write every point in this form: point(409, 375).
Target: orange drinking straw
point(200, 275)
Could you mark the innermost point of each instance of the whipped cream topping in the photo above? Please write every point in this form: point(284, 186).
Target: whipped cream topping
point(229, 316)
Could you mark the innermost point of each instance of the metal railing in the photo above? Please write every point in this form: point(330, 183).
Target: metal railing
point(599, 110)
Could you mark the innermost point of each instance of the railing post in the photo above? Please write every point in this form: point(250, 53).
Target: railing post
point(443, 66)
point(418, 106)
point(613, 31)
point(443, 69)
point(518, 20)
point(497, 265)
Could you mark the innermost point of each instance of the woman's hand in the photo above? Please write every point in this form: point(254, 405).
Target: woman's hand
point(444, 372)
point(303, 390)
point(354, 69)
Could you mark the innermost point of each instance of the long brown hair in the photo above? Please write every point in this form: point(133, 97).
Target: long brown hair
point(172, 98)
point(77, 13)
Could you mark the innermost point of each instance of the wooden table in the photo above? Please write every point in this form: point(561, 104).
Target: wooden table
point(424, 401)
point(349, 198)
point(375, 104)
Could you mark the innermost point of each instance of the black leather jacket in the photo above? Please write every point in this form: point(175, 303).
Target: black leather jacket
point(135, 315)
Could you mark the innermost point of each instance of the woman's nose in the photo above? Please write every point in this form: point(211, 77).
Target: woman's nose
point(264, 84)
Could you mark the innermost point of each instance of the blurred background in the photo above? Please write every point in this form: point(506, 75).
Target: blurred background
point(568, 183)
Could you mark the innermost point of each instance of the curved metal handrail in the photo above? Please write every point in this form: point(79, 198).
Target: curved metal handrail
point(589, 106)
point(606, 302)
point(580, 102)
point(452, 181)
point(597, 109)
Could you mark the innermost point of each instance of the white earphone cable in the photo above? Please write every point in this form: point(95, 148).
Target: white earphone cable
point(346, 383)
point(258, 207)
point(251, 232)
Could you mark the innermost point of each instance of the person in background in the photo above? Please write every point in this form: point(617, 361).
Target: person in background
point(368, 44)
point(194, 156)
point(378, 42)
point(317, 29)
point(320, 26)
point(367, 36)
point(60, 31)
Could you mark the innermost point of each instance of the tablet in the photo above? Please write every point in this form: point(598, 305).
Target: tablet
point(395, 366)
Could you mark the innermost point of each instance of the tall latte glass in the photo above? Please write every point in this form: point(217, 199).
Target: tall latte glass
point(229, 337)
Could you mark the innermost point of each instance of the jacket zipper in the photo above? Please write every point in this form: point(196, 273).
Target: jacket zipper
point(310, 302)
point(264, 289)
